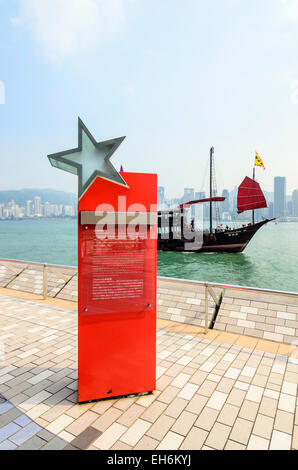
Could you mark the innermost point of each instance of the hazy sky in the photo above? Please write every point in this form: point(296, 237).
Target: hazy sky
point(174, 77)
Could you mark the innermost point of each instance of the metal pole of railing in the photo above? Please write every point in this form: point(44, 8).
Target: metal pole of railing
point(229, 286)
point(45, 281)
point(206, 308)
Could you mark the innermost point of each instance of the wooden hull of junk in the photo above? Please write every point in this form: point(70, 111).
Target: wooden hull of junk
point(232, 241)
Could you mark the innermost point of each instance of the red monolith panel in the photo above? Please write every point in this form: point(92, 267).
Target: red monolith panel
point(117, 289)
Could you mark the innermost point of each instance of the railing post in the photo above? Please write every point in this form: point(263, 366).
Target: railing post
point(45, 281)
point(206, 308)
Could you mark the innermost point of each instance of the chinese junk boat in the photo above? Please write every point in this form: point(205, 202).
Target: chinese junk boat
point(172, 227)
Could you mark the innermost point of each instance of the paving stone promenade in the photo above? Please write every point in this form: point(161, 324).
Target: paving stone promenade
point(214, 391)
point(261, 315)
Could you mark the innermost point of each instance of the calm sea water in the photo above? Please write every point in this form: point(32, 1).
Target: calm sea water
point(269, 261)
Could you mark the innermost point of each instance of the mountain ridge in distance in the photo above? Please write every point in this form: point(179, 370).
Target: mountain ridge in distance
point(53, 196)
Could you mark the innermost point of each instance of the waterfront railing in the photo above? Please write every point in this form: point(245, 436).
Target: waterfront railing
point(209, 287)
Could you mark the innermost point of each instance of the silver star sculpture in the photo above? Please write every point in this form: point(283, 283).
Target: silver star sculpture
point(89, 160)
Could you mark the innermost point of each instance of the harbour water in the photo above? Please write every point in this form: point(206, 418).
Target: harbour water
point(270, 260)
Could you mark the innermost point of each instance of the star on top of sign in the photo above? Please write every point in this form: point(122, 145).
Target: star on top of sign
point(89, 160)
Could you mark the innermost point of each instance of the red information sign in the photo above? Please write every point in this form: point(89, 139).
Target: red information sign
point(118, 271)
point(117, 294)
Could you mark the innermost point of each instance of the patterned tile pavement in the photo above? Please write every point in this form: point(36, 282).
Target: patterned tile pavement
point(219, 391)
point(29, 278)
point(26, 277)
point(268, 316)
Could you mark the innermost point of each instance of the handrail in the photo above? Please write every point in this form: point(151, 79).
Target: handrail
point(188, 281)
point(46, 268)
point(229, 286)
point(207, 285)
point(35, 263)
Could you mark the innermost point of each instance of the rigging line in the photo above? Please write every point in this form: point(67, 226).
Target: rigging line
point(219, 176)
point(214, 184)
point(203, 184)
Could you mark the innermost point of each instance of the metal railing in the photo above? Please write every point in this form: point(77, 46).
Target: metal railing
point(209, 291)
point(55, 268)
point(231, 286)
point(209, 286)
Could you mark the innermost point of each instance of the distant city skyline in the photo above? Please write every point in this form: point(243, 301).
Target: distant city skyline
point(174, 80)
point(281, 205)
point(283, 202)
point(35, 209)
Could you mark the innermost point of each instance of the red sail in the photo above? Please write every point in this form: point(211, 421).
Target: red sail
point(250, 196)
point(213, 199)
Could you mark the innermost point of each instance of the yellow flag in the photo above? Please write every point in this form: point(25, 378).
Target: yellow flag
point(259, 162)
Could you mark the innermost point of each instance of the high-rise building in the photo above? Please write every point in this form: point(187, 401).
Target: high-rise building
point(28, 208)
point(233, 196)
point(206, 210)
point(47, 209)
point(295, 203)
point(69, 211)
point(279, 196)
point(37, 205)
point(6, 213)
point(225, 206)
point(160, 195)
point(270, 210)
point(200, 195)
point(189, 194)
point(19, 212)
